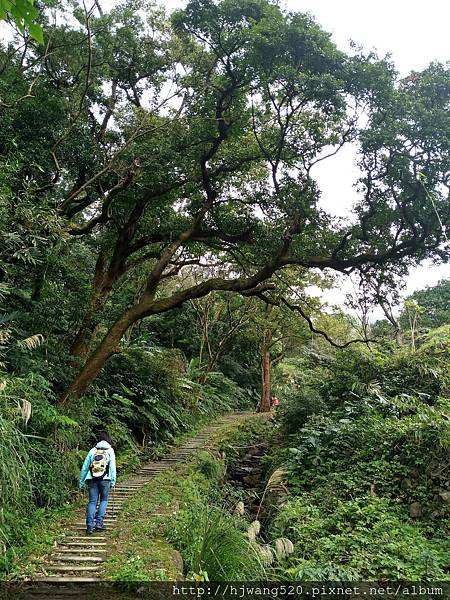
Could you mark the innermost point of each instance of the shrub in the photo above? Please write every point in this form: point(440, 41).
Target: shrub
point(366, 538)
point(212, 542)
point(209, 466)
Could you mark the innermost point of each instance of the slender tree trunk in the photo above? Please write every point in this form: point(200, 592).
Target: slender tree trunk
point(39, 282)
point(212, 361)
point(265, 372)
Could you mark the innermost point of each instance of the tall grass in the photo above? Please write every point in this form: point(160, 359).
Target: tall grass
point(213, 545)
point(15, 479)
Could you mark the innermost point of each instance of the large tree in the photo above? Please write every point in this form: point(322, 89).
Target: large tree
point(223, 170)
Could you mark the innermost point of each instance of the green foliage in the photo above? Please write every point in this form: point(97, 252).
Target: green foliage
point(16, 475)
point(367, 443)
point(147, 396)
point(237, 439)
point(362, 539)
point(212, 542)
point(302, 402)
point(149, 544)
point(435, 301)
point(103, 214)
point(24, 14)
point(209, 466)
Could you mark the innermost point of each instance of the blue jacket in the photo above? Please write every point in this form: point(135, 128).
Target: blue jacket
point(85, 469)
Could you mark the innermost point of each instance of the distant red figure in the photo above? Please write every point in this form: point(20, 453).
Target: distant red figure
point(275, 402)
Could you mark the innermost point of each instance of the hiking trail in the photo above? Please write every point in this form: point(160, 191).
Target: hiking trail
point(77, 557)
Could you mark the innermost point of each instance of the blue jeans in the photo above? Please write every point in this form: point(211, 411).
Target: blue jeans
point(97, 489)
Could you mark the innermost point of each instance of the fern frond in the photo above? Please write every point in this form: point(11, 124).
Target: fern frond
point(32, 342)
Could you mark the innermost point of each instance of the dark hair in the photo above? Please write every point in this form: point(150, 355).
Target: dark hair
point(102, 436)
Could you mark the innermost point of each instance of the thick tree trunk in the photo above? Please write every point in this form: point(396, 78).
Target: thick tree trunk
point(102, 285)
point(148, 306)
point(109, 346)
point(85, 334)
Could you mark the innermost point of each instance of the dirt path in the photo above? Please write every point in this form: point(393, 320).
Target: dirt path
point(78, 557)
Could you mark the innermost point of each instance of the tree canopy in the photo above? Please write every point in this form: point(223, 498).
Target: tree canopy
point(162, 143)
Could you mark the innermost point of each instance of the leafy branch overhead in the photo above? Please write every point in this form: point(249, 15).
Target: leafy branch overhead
point(167, 145)
point(25, 15)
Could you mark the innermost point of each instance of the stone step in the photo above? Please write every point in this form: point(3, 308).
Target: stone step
point(78, 548)
point(66, 579)
point(83, 549)
point(80, 529)
point(108, 518)
point(126, 488)
point(192, 444)
point(75, 558)
point(153, 471)
point(145, 470)
point(85, 545)
point(83, 523)
point(69, 568)
point(110, 515)
point(77, 538)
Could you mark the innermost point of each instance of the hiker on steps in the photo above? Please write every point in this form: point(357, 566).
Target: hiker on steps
point(99, 472)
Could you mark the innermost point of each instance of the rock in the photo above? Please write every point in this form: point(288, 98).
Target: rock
point(178, 563)
point(253, 451)
point(406, 484)
point(251, 480)
point(445, 496)
point(242, 469)
point(415, 510)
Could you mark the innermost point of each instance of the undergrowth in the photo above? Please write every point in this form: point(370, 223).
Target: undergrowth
point(177, 527)
point(366, 451)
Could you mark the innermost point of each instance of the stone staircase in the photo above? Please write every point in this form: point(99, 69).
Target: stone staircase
point(78, 557)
